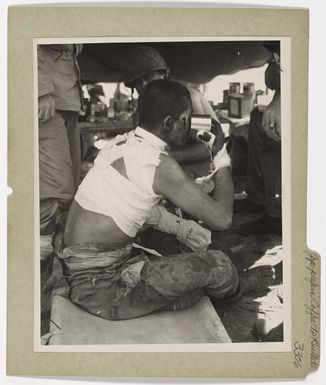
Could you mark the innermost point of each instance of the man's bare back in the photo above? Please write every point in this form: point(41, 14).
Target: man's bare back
point(84, 226)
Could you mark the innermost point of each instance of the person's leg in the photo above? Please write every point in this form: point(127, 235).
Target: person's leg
point(271, 168)
point(186, 301)
point(187, 277)
point(55, 174)
point(264, 181)
point(264, 168)
point(147, 284)
point(255, 180)
point(71, 120)
point(142, 285)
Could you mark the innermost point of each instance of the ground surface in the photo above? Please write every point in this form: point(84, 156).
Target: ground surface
point(257, 316)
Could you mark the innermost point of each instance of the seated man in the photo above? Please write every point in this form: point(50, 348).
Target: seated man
point(107, 276)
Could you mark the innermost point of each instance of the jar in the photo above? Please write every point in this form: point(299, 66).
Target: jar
point(111, 113)
point(249, 88)
point(234, 88)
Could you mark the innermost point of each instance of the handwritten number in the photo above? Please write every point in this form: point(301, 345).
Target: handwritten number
point(298, 354)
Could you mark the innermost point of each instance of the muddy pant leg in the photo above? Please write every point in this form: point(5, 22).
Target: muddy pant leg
point(150, 285)
point(186, 301)
point(181, 273)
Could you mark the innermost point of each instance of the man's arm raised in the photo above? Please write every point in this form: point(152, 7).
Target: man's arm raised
point(172, 182)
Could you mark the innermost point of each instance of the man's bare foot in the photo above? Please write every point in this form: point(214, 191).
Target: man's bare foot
point(257, 279)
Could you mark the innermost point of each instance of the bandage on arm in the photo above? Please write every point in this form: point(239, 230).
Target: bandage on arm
point(186, 231)
point(220, 160)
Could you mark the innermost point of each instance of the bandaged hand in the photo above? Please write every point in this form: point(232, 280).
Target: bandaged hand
point(213, 138)
point(206, 183)
point(222, 159)
point(186, 231)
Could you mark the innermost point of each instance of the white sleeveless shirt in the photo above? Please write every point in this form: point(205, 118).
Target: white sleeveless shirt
point(128, 201)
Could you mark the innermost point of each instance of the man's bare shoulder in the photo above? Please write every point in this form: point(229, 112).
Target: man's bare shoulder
point(169, 167)
point(168, 173)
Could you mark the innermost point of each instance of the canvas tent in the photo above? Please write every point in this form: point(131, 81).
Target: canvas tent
point(195, 62)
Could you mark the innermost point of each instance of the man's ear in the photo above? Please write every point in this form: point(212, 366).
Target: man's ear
point(168, 122)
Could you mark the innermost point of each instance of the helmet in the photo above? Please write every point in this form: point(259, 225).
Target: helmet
point(143, 60)
point(95, 89)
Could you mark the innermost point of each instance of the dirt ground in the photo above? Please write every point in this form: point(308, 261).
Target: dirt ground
point(254, 317)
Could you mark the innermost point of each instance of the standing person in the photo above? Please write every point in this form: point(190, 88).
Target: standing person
point(264, 176)
point(59, 102)
point(106, 276)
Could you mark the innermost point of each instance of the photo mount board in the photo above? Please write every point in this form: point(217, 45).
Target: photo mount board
point(29, 23)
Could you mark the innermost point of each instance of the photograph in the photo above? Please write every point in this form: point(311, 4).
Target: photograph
point(163, 194)
point(161, 223)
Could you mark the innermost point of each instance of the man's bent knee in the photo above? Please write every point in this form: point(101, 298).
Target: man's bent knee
point(224, 279)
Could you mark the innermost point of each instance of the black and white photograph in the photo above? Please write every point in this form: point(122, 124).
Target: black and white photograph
point(162, 181)
point(162, 166)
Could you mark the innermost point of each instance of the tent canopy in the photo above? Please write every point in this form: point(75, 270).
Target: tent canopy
point(194, 62)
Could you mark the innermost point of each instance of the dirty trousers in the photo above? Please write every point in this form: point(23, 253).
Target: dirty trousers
point(116, 285)
point(59, 166)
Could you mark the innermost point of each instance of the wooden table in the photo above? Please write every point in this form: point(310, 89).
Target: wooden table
point(110, 128)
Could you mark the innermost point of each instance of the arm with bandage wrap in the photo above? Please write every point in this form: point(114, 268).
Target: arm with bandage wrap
point(186, 231)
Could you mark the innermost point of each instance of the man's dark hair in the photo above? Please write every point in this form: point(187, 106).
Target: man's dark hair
point(161, 98)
